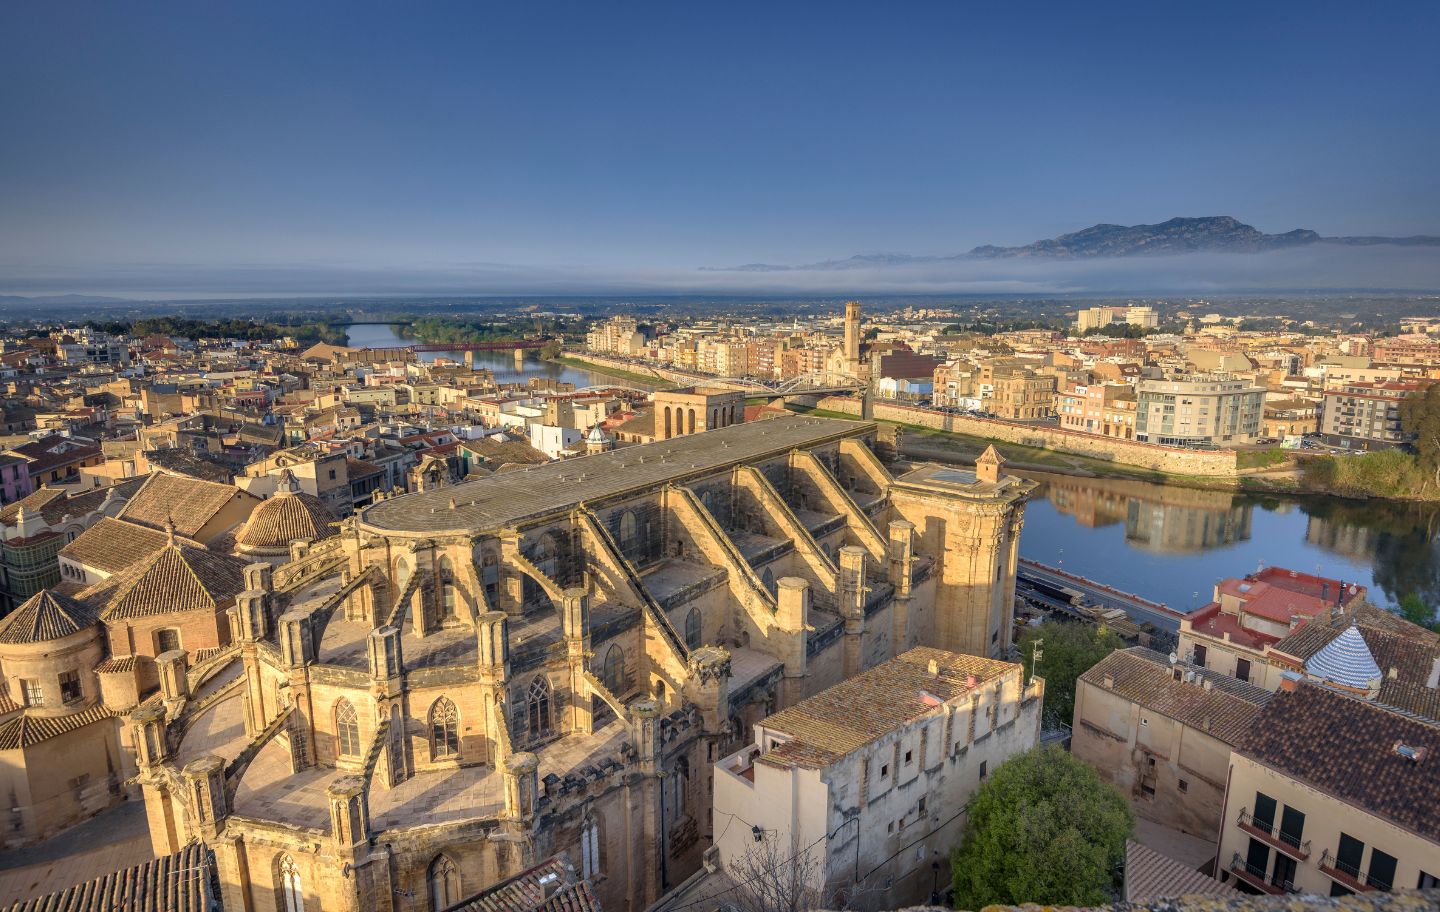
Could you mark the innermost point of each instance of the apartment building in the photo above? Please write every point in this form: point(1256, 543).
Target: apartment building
point(620, 335)
point(1106, 409)
point(1366, 416)
point(1199, 410)
point(1019, 394)
point(1330, 793)
point(883, 764)
point(1143, 316)
point(1289, 418)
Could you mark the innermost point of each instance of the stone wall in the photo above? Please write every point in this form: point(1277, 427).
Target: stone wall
point(684, 378)
point(1171, 460)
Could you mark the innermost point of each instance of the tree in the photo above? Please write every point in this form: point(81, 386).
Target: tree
point(1414, 610)
point(771, 877)
point(1420, 417)
point(551, 349)
point(1043, 829)
point(1070, 649)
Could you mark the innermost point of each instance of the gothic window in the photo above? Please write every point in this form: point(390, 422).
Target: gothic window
point(768, 579)
point(537, 707)
point(292, 894)
point(347, 729)
point(444, 880)
point(448, 596)
point(692, 629)
point(614, 675)
point(629, 535)
point(166, 639)
point(589, 849)
point(444, 730)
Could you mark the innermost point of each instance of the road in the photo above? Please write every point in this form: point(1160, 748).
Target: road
point(1096, 594)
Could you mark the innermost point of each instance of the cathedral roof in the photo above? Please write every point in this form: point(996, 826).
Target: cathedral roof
point(284, 518)
point(175, 578)
point(189, 502)
point(45, 616)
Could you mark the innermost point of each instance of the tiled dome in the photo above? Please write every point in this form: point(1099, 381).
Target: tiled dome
point(1346, 661)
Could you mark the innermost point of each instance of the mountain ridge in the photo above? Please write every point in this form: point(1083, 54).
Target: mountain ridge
point(1180, 235)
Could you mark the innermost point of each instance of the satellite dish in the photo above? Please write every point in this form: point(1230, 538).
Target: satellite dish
point(1174, 658)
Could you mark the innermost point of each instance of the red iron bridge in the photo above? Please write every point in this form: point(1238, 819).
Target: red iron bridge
point(465, 346)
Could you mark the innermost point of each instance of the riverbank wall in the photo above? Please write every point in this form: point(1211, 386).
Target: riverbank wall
point(636, 369)
point(1167, 460)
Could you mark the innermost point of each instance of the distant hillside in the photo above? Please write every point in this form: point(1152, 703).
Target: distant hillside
point(1214, 234)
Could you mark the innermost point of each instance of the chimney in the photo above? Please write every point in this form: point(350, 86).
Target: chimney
point(1287, 683)
point(934, 668)
point(1109, 682)
point(971, 680)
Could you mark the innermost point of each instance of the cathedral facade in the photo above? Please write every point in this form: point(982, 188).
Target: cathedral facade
point(461, 683)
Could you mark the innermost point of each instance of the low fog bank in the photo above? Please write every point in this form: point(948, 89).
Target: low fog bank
point(1319, 267)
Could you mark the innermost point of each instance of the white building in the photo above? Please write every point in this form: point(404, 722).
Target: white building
point(869, 778)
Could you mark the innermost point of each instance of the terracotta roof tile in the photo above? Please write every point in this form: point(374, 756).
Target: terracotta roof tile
point(550, 886)
point(189, 502)
point(175, 578)
point(861, 709)
point(112, 544)
point(1225, 710)
point(183, 882)
point(1346, 746)
point(24, 730)
point(284, 518)
point(45, 616)
point(1150, 875)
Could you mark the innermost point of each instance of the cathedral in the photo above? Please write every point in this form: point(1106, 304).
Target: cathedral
point(456, 685)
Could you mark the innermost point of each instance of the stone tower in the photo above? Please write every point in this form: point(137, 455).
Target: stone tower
point(852, 337)
point(971, 524)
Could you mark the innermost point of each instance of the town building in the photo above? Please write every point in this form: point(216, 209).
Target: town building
point(1162, 732)
point(1140, 315)
point(1330, 793)
point(867, 780)
point(1234, 633)
point(1106, 409)
point(1366, 416)
point(1207, 410)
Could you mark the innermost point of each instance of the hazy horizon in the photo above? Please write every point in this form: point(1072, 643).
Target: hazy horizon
point(369, 148)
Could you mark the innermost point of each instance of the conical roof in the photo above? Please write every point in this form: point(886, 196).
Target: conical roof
point(45, 616)
point(1346, 661)
point(991, 455)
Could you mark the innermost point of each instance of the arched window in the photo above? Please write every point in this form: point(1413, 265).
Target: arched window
point(444, 730)
point(287, 882)
point(692, 629)
point(444, 880)
point(668, 433)
point(537, 707)
point(448, 599)
point(347, 729)
point(614, 676)
point(768, 579)
point(589, 849)
point(402, 574)
point(490, 575)
point(690, 421)
point(629, 533)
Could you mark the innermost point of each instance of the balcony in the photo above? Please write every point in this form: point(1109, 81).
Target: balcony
point(1343, 873)
point(1271, 835)
point(1255, 877)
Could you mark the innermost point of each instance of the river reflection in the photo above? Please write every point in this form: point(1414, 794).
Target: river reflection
point(1172, 544)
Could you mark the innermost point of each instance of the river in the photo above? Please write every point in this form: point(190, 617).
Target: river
point(1171, 544)
point(502, 363)
point(1166, 543)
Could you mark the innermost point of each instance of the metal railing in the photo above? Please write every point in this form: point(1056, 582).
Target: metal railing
point(1255, 875)
point(1289, 843)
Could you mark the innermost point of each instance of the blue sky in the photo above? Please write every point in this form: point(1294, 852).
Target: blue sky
point(211, 140)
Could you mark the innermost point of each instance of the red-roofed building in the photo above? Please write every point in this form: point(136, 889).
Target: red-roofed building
point(1234, 632)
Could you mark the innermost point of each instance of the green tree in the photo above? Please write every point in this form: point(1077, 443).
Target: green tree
point(1070, 649)
point(551, 349)
point(1414, 610)
point(1420, 417)
point(1043, 829)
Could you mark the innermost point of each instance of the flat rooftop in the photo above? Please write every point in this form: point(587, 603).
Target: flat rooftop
point(502, 500)
point(948, 479)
